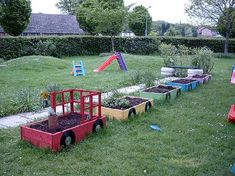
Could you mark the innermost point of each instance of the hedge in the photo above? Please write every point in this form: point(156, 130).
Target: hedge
point(216, 45)
point(13, 47)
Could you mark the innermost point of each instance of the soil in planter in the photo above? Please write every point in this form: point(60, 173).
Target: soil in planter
point(133, 101)
point(183, 81)
point(65, 122)
point(160, 89)
point(199, 76)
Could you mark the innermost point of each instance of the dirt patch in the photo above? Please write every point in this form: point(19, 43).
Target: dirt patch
point(160, 89)
point(199, 76)
point(133, 101)
point(183, 81)
point(65, 122)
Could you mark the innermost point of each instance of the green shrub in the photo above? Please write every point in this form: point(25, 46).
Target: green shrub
point(13, 47)
point(27, 100)
point(169, 54)
point(215, 45)
point(135, 77)
point(149, 79)
point(203, 59)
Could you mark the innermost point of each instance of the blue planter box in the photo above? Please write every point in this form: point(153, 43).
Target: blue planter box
point(185, 87)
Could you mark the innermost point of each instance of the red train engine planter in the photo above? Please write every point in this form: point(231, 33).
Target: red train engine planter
point(88, 115)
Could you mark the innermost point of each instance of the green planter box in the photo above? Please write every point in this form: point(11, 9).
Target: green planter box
point(169, 95)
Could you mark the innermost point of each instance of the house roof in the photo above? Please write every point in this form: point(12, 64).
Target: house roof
point(53, 24)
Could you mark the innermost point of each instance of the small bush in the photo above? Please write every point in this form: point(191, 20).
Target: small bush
point(149, 79)
point(203, 58)
point(135, 77)
point(27, 100)
point(169, 54)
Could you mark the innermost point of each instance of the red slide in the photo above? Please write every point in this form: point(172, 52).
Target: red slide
point(106, 63)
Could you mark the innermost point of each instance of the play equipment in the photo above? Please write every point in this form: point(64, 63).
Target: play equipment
point(231, 114)
point(117, 56)
point(81, 115)
point(78, 69)
point(233, 77)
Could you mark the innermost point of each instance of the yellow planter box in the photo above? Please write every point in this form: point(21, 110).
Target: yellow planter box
point(126, 113)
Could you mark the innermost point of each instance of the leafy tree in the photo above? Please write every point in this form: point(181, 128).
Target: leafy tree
point(69, 6)
point(137, 21)
point(15, 15)
point(106, 17)
point(210, 11)
point(221, 25)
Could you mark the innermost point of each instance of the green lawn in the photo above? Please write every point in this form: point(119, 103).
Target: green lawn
point(195, 139)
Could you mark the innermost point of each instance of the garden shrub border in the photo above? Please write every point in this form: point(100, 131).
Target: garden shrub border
point(59, 46)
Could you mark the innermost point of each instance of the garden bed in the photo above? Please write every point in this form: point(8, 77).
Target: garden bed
point(135, 106)
point(185, 84)
point(70, 131)
point(71, 126)
point(203, 79)
point(161, 92)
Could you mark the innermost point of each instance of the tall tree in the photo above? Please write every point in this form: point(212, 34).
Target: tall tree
point(15, 15)
point(69, 6)
point(221, 25)
point(210, 11)
point(138, 19)
point(106, 17)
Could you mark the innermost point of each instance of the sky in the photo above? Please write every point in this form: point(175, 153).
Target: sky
point(167, 10)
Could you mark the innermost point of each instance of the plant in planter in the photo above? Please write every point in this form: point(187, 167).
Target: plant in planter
point(149, 79)
point(125, 107)
point(168, 52)
point(161, 92)
point(203, 58)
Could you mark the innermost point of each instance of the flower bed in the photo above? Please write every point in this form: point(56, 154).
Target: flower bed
point(185, 84)
point(136, 106)
point(71, 126)
point(203, 79)
point(161, 92)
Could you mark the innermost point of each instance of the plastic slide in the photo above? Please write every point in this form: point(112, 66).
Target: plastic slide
point(233, 77)
point(106, 63)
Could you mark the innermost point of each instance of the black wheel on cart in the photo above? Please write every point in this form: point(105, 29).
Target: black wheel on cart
point(98, 125)
point(168, 97)
point(178, 92)
point(132, 113)
point(67, 139)
point(148, 106)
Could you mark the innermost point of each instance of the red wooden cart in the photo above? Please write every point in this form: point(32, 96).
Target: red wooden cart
point(81, 113)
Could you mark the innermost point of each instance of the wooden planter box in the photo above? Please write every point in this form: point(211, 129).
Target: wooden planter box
point(73, 125)
point(126, 113)
point(54, 141)
point(203, 80)
point(171, 94)
point(185, 86)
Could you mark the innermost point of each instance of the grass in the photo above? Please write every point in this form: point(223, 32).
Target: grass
point(38, 71)
point(195, 138)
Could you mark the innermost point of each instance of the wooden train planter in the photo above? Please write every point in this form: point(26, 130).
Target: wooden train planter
point(203, 79)
point(73, 125)
point(161, 93)
point(185, 84)
point(142, 105)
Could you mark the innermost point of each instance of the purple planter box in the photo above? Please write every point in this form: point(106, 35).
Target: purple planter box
point(203, 79)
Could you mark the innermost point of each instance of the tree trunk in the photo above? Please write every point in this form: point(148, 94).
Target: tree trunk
point(226, 43)
point(112, 41)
